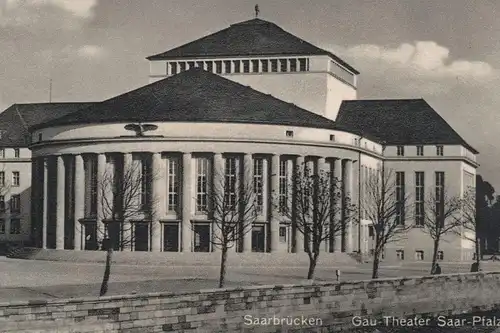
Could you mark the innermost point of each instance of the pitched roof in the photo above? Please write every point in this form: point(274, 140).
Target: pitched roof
point(249, 38)
point(399, 122)
point(195, 96)
point(15, 120)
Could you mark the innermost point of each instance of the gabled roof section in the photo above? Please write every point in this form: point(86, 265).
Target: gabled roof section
point(15, 120)
point(254, 37)
point(399, 122)
point(194, 96)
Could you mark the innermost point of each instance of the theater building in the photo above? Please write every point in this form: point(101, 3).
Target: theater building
point(249, 97)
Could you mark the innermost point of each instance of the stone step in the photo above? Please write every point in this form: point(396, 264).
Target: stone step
point(67, 326)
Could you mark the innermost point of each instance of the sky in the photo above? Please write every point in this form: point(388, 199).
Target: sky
point(444, 51)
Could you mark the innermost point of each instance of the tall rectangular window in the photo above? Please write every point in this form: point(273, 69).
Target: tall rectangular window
point(218, 67)
point(237, 68)
point(255, 66)
point(15, 203)
point(227, 66)
point(303, 65)
point(439, 200)
point(16, 178)
point(439, 150)
point(265, 65)
point(173, 68)
point(274, 65)
point(2, 226)
point(230, 182)
point(420, 150)
point(190, 64)
point(17, 153)
point(173, 184)
point(283, 180)
point(258, 184)
point(202, 173)
point(2, 152)
point(2, 203)
point(182, 66)
point(400, 150)
point(90, 165)
point(246, 66)
point(293, 65)
point(145, 183)
point(2, 178)
point(400, 197)
point(283, 65)
point(15, 226)
point(210, 66)
point(419, 198)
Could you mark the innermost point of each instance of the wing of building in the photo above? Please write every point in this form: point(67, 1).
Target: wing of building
point(250, 97)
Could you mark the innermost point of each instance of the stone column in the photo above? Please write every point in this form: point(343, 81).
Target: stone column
point(186, 201)
point(248, 185)
point(79, 209)
point(218, 184)
point(126, 225)
point(275, 198)
point(348, 193)
point(158, 173)
point(337, 174)
point(299, 237)
point(45, 200)
point(101, 168)
point(61, 195)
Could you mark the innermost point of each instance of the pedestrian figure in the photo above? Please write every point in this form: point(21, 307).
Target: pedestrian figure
point(474, 268)
point(436, 270)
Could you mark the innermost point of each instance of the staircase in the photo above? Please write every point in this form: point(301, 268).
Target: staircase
point(23, 252)
point(59, 326)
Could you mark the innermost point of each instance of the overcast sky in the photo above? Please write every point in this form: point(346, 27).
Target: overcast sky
point(446, 51)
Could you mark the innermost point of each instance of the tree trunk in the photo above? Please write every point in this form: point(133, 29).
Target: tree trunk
point(313, 260)
point(376, 261)
point(223, 260)
point(107, 272)
point(434, 255)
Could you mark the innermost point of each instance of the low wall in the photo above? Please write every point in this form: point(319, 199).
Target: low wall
point(307, 308)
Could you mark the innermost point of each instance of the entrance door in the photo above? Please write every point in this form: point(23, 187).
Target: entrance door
point(201, 238)
point(113, 231)
point(141, 237)
point(91, 236)
point(258, 239)
point(284, 239)
point(171, 237)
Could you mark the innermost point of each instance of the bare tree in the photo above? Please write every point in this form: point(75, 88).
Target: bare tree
point(317, 209)
point(233, 211)
point(386, 206)
point(438, 218)
point(125, 196)
point(471, 222)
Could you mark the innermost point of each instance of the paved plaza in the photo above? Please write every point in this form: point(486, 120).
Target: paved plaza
point(36, 279)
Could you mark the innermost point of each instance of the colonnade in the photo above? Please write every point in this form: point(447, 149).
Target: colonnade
point(59, 196)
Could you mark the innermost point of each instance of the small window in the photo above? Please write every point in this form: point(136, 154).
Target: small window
point(420, 150)
point(40, 137)
point(289, 134)
point(400, 254)
point(439, 151)
point(440, 255)
point(16, 178)
point(265, 66)
point(401, 150)
point(419, 255)
point(370, 231)
point(16, 152)
point(15, 226)
point(282, 234)
point(2, 226)
point(332, 137)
